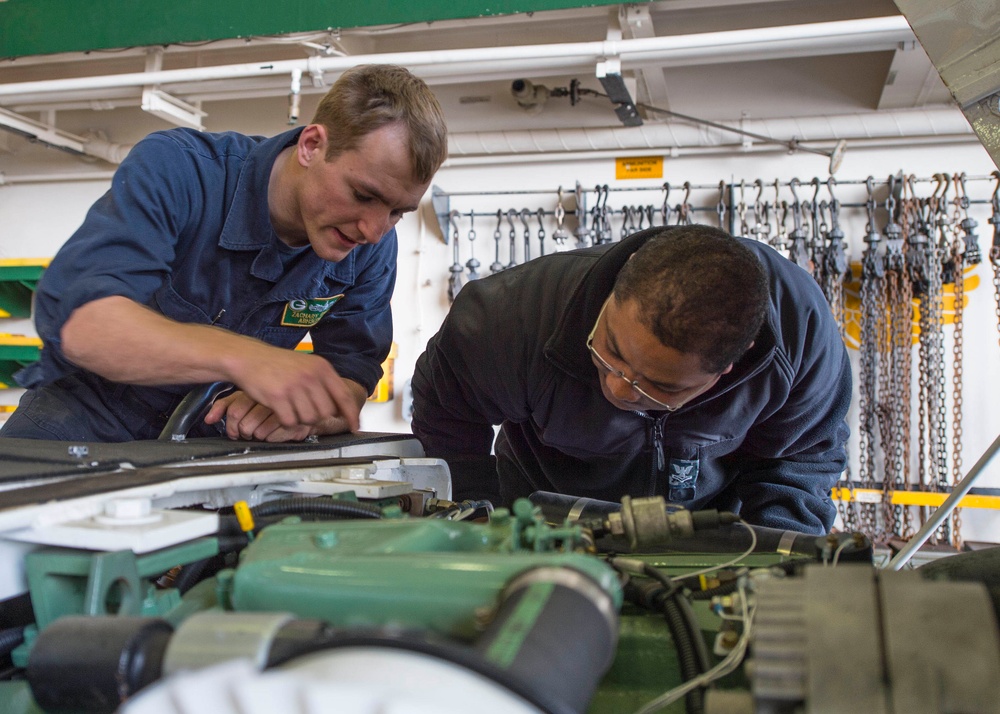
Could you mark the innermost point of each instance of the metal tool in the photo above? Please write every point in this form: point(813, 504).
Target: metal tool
point(560, 235)
point(496, 266)
point(472, 264)
point(512, 236)
point(455, 282)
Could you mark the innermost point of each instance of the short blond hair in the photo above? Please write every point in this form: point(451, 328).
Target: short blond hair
point(367, 97)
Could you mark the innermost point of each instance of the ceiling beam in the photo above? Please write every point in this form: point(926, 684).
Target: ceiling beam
point(912, 81)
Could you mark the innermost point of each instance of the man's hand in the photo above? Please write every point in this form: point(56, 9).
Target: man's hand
point(250, 420)
point(297, 389)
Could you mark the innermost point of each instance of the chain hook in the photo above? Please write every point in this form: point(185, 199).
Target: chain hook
point(512, 235)
point(665, 209)
point(496, 266)
point(720, 207)
point(472, 264)
point(792, 185)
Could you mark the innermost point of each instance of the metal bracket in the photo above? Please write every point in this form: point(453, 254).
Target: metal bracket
point(609, 72)
point(441, 202)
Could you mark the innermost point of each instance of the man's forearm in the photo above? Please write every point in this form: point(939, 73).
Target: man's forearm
point(123, 341)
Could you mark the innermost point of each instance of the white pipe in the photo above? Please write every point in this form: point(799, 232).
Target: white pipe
point(106, 150)
point(6, 180)
point(731, 150)
point(657, 137)
point(851, 35)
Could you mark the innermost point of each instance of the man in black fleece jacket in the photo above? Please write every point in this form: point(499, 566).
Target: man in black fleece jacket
point(681, 362)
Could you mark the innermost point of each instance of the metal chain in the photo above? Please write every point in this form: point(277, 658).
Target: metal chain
point(919, 269)
point(995, 248)
point(938, 412)
point(958, 257)
point(896, 347)
point(872, 325)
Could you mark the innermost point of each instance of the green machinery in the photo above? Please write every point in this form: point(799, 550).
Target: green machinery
point(409, 602)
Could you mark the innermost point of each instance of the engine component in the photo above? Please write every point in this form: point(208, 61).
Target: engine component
point(547, 617)
point(91, 664)
point(842, 639)
point(350, 573)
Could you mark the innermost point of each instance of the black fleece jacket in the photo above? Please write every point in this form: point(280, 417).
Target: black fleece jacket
point(767, 441)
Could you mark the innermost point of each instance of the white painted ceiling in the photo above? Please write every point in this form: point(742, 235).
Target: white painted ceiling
point(863, 75)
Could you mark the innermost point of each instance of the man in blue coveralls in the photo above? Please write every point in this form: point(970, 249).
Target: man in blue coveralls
point(213, 255)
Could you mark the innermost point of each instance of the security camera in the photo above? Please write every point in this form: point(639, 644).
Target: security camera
point(530, 97)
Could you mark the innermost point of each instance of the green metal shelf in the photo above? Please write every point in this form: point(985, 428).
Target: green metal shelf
point(16, 351)
point(18, 278)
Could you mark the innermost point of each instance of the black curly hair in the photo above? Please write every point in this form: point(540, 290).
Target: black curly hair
point(699, 291)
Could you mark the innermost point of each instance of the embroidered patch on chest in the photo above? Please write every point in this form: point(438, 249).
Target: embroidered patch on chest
point(683, 473)
point(306, 312)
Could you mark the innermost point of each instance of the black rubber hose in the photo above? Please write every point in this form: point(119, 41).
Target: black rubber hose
point(190, 575)
point(9, 639)
point(316, 506)
point(701, 649)
point(192, 409)
point(662, 594)
point(687, 655)
point(16, 611)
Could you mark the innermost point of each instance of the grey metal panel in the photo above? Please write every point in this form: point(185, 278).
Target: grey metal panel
point(962, 39)
point(844, 648)
point(942, 646)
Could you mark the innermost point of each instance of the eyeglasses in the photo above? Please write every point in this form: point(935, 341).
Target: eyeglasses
point(603, 363)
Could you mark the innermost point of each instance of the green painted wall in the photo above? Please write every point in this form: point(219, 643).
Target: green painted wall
point(33, 27)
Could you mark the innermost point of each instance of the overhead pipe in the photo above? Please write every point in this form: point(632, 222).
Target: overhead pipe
point(728, 150)
point(943, 122)
point(62, 177)
point(841, 36)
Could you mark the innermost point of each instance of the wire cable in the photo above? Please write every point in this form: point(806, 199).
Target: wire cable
point(729, 563)
point(726, 666)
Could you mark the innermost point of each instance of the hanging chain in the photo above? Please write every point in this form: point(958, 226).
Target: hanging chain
point(871, 326)
point(939, 261)
point(995, 248)
point(899, 368)
point(965, 251)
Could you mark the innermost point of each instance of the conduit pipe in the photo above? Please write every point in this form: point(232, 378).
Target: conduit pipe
point(729, 150)
point(862, 35)
point(61, 177)
point(943, 122)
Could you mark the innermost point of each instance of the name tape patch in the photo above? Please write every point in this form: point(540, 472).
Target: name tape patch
point(306, 312)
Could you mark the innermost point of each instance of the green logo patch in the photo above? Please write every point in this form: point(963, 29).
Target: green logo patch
point(306, 312)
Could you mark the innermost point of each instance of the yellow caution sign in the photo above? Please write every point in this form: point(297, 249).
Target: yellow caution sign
point(639, 167)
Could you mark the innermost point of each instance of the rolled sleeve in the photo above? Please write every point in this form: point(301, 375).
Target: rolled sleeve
point(124, 247)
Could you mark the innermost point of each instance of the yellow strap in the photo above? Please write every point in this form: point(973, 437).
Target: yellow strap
point(913, 498)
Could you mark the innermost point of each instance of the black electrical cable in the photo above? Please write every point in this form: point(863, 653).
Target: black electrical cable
point(316, 506)
point(11, 673)
point(664, 595)
point(191, 574)
point(16, 610)
point(692, 654)
point(9, 639)
point(687, 655)
point(701, 649)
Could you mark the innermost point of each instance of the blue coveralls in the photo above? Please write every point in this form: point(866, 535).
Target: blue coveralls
point(185, 230)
